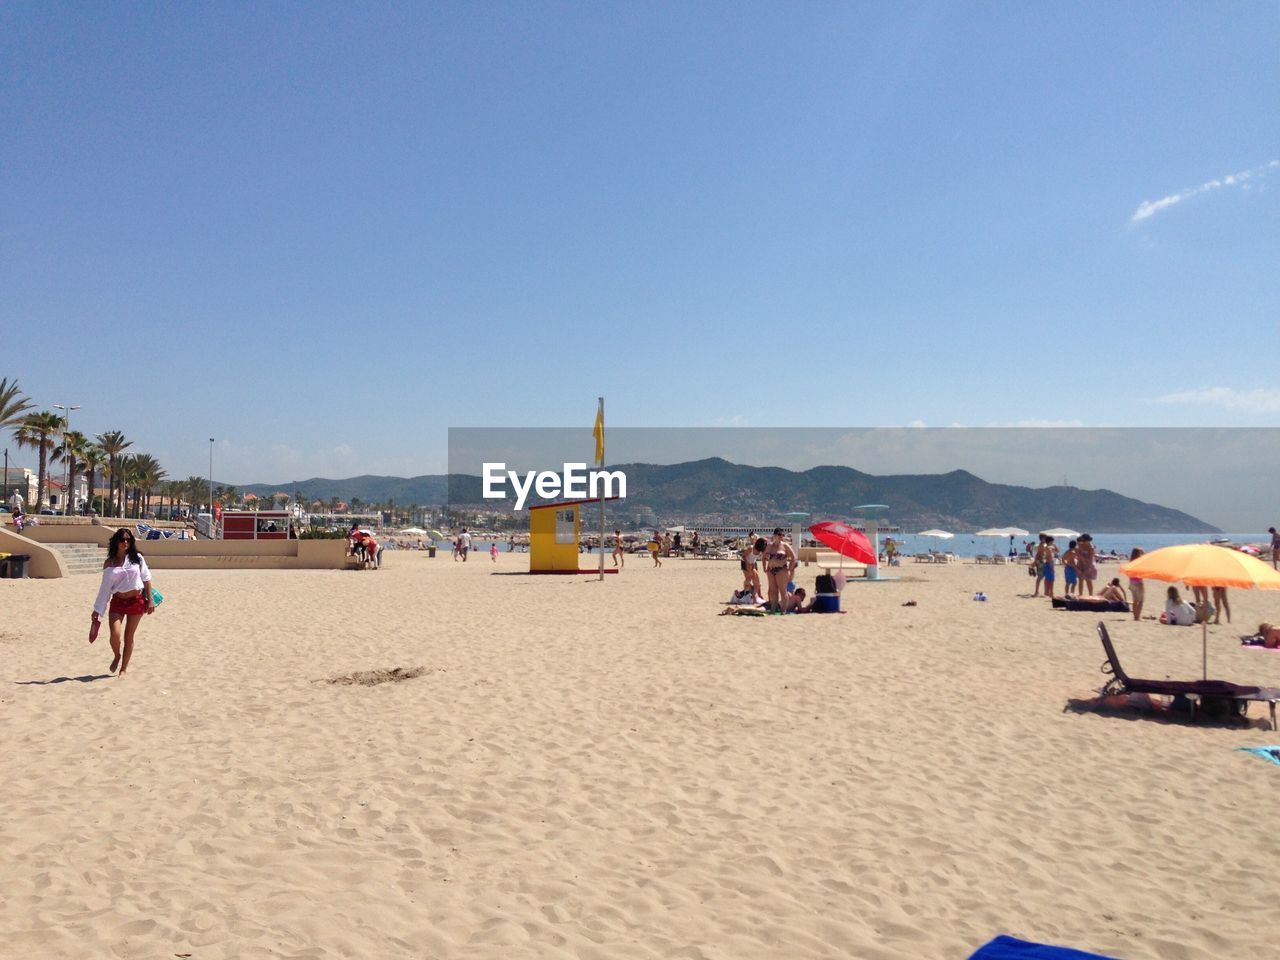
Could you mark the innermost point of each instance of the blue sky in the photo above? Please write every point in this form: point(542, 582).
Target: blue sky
point(325, 233)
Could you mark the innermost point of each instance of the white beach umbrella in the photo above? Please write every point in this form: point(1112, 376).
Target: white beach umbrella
point(1002, 532)
point(414, 532)
point(939, 534)
point(1061, 533)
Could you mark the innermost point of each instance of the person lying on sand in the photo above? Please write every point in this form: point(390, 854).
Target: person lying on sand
point(795, 602)
point(1270, 635)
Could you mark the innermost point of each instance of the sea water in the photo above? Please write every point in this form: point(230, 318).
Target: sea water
point(968, 545)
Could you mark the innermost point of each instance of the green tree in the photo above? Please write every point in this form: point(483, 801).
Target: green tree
point(13, 403)
point(149, 476)
point(114, 444)
point(74, 447)
point(93, 459)
point(40, 431)
point(195, 489)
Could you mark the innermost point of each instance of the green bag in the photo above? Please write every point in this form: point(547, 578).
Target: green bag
point(157, 597)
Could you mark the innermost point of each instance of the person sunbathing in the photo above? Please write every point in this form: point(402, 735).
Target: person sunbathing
point(1113, 592)
point(795, 602)
point(1270, 635)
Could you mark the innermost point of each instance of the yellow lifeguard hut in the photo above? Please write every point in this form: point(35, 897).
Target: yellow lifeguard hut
point(553, 537)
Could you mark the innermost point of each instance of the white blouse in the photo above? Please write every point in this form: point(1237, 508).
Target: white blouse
point(128, 576)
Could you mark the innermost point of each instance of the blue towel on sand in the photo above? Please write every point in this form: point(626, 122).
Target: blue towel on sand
point(1266, 753)
point(1011, 948)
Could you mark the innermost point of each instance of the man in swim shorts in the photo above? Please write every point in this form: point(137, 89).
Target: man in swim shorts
point(1048, 554)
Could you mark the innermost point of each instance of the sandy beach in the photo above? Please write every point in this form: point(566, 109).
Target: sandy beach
point(611, 770)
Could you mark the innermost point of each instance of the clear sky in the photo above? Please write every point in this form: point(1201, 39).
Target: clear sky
point(324, 233)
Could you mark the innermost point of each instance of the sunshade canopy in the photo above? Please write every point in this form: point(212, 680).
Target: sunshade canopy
point(845, 540)
point(1204, 565)
point(940, 534)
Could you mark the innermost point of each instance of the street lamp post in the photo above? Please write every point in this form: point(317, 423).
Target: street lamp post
point(67, 496)
point(211, 488)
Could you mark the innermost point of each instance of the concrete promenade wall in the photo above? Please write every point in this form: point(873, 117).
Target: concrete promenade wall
point(246, 554)
point(182, 554)
point(45, 563)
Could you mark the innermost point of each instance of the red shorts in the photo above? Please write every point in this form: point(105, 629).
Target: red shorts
point(130, 606)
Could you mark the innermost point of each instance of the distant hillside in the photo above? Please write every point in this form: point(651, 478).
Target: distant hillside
point(714, 490)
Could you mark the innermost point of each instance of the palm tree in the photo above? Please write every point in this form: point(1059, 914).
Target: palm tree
point(91, 460)
point(38, 431)
point(126, 476)
point(195, 490)
point(148, 474)
point(13, 403)
point(74, 447)
point(169, 493)
point(114, 444)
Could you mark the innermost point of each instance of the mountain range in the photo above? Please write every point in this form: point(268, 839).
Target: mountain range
point(717, 491)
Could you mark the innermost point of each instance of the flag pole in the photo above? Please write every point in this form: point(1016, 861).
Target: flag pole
point(600, 420)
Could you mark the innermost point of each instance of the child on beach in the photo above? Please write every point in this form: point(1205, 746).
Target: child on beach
point(1136, 587)
point(493, 551)
point(1069, 569)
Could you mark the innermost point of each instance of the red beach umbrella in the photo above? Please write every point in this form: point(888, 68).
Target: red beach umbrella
point(844, 540)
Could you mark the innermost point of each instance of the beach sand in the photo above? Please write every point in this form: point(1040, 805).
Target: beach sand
point(611, 770)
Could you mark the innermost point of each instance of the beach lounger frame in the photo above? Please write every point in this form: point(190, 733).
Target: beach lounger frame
point(1196, 691)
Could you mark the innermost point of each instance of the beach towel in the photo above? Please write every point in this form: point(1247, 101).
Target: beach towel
point(1256, 643)
point(1011, 948)
point(1271, 754)
point(1093, 606)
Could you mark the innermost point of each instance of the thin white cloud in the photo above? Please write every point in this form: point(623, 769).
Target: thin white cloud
point(1149, 208)
point(1258, 400)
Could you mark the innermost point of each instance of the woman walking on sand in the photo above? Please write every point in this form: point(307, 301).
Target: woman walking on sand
point(126, 586)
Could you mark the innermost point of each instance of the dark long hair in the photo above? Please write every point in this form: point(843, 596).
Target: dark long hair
point(116, 539)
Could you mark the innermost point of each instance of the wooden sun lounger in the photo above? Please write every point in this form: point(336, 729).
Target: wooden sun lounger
point(1194, 690)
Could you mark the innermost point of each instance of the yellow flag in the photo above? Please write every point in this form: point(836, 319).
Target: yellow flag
point(598, 433)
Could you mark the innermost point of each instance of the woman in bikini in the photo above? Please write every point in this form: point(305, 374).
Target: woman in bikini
point(1086, 563)
point(126, 586)
point(750, 565)
point(779, 562)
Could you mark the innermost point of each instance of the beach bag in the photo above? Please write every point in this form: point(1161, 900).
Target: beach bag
point(825, 583)
point(157, 597)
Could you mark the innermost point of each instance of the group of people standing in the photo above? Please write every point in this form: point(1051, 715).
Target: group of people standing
point(779, 560)
point(1079, 566)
